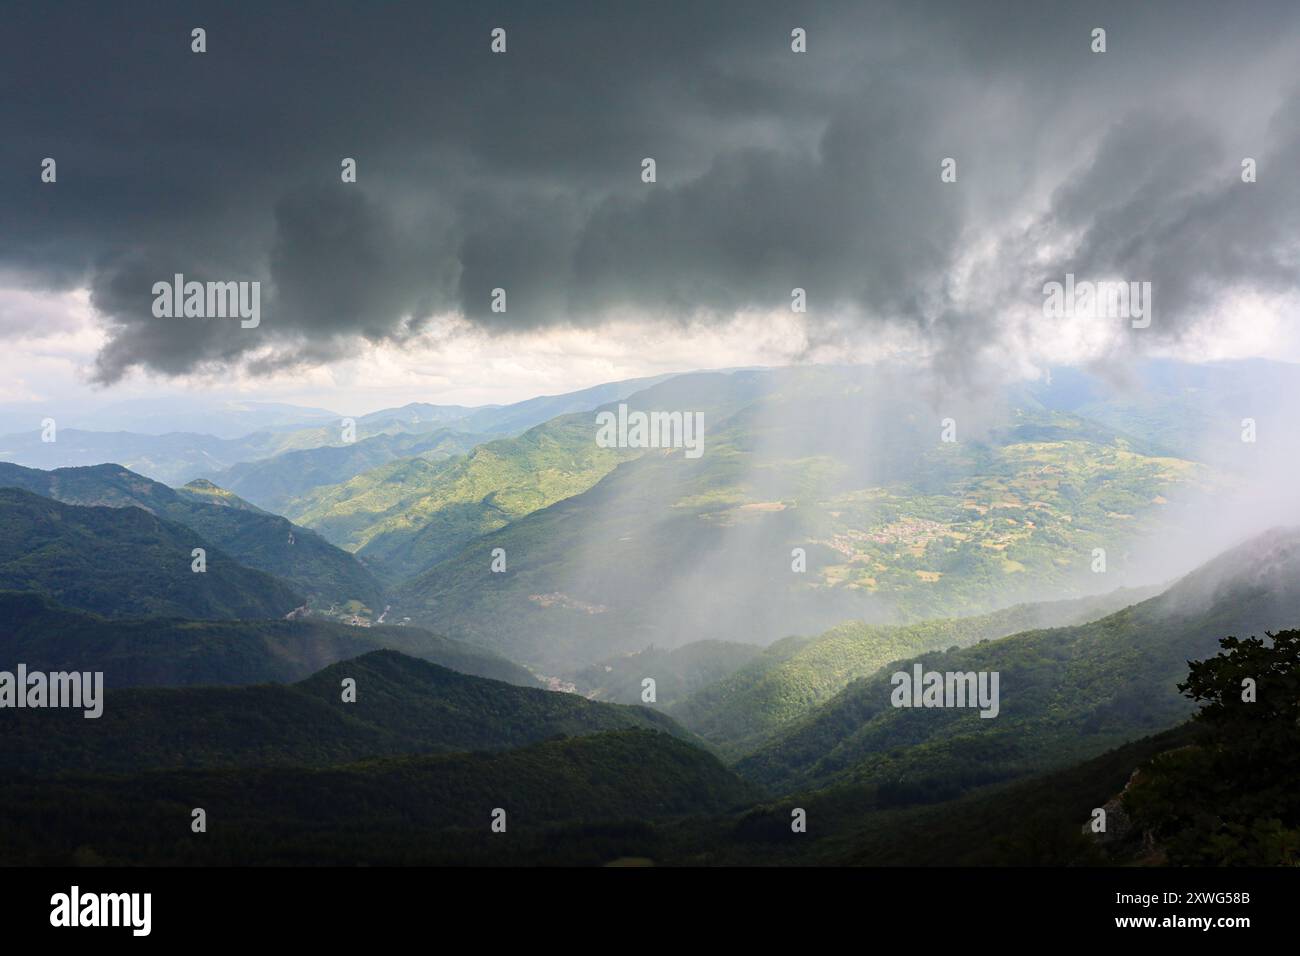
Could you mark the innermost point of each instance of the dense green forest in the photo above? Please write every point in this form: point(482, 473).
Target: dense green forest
point(1214, 790)
point(265, 542)
point(587, 800)
point(790, 678)
point(123, 562)
point(1067, 693)
point(402, 705)
point(181, 652)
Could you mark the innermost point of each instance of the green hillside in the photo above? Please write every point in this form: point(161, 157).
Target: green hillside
point(405, 810)
point(410, 513)
point(1214, 791)
point(405, 516)
point(125, 562)
point(794, 675)
point(326, 575)
point(1066, 693)
point(402, 706)
point(895, 525)
point(274, 482)
point(1203, 791)
point(178, 652)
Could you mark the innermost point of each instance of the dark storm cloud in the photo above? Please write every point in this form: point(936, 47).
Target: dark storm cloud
point(1164, 202)
point(521, 171)
point(846, 224)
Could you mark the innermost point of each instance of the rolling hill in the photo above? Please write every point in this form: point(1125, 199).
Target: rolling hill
point(1066, 693)
point(273, 482)
point(792, 677)
point(891, 523)
point(402, 517)
point(405, 810)
point(266, 542)
point(402, 706)
point(124, 561)
point(1033, 822)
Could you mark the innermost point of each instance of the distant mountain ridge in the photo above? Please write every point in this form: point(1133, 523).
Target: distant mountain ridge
point(220, 418)
point(173, 446)
point(402, 706)
point(275, 482)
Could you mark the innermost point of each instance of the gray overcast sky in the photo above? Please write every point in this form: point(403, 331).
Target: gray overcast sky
point(775, 170)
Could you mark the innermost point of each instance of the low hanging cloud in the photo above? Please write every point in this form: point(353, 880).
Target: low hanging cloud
point(522, 171)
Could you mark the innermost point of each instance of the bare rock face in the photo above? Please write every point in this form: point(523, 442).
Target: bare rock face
point(1119, 825)
point(1122, 838)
